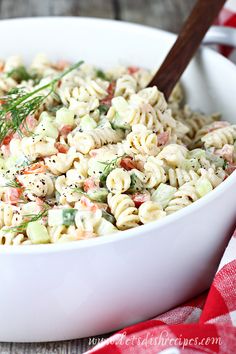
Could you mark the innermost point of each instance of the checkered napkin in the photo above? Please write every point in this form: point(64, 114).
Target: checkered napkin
point(206, 324)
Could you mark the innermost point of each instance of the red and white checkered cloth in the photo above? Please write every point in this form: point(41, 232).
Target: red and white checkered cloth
point(206, 324)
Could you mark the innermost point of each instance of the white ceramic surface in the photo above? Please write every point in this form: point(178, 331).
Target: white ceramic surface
point(56, 292)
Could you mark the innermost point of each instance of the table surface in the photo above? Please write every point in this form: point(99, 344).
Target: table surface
point(165, 14)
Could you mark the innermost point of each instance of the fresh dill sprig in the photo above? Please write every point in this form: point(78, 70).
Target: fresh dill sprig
point(13, 184)
point(80, 191)
point(32, 217)
point(18, 104)
point(109, 167)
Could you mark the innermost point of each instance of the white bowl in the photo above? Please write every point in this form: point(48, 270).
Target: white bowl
point(80, 289)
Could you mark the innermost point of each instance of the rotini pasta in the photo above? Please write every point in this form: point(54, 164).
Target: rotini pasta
point(87, 152)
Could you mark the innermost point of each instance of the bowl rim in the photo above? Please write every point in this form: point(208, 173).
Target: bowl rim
point(142, 229)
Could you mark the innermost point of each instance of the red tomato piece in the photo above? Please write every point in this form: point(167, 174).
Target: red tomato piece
point(128, 163)
point(62, 148)
point(65, 130)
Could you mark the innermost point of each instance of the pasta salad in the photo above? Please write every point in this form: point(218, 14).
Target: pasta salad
point(86, 152)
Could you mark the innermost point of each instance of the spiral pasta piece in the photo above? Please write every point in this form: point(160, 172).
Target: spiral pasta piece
point(173, 154)
point(9, 215)
point(118, 181)
point(61, 163)
point(150, 211)
point(39, 185)
point(141, 141)
point(96, 138)
point(124, 211)
point(125, 86)
point(185, 196)
point(154, 172)
point(178, 176)
point(220, 137)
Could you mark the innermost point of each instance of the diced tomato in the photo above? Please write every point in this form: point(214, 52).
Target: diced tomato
point(2, 101)
point(163, 138)
point(65, 130)
point(38, 167)
point(62, 148)
point(7, 139)
point(139, 198)
point(110, 94)
point(133, 69)
point(12, 195)
point(89, 184)
point(88, 204)
point(128, 163)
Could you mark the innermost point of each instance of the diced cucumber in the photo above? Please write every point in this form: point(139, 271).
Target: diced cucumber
point(87, 123)
point(61, 217)
point(98, 195)
point(64, 116)
point(37, 232)
point(46, 128)
point(105, 228)
point(163, 194)
point(136, 185)
point(68, 216)
point(120, 104)
point(119, 122)
point(121, 107)
point(108, 217)
point(203, 186)
point(190, 164)
point(196, 154)
point(216, 160)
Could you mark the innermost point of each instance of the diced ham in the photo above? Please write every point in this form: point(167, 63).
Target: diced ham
point(38, 167)
point(231, 167)
point(140, 198)
point(163, 138)
point(88, 204)
point(12, 195)
point(62, 65)
point(133, 69)
point(90, 184)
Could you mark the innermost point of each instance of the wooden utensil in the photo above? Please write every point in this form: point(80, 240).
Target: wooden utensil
point(186, 45)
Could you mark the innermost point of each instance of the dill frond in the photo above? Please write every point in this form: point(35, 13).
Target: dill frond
point(30, 218)
point(18, 104)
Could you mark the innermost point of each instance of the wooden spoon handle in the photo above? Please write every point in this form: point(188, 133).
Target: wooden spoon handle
point(187, 43)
